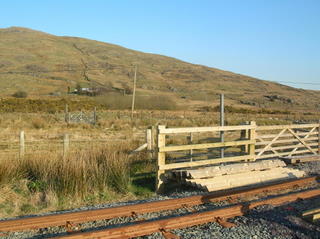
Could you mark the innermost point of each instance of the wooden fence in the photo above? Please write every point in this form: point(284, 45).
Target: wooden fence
point(254, 142)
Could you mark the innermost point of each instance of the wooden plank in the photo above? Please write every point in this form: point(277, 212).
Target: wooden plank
point(244, 135)
point(149, 139)
point(190, 139)
point(204, 129)
point(271, 142)
point(302, 141)
point(246, 176)
point(235, 168)
point(205, 162)
point(252, 137)
point(304, 138)
point(249, 178)
point(140, 148)
point(310, 212)
point(161, 142)
point(301, 159)
point(316, 216)
point(293, 126)
point(205, 146)
point(265, 136)
point(282, 154)
point(264, 143)
point(287, 147)
point(281, 141)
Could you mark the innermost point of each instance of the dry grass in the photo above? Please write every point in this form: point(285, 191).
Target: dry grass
point(92, 174)
point(41, 182)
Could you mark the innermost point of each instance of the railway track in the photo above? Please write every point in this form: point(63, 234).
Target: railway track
point(164, 226)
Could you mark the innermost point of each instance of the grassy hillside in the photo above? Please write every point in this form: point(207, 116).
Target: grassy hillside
point(49, 64)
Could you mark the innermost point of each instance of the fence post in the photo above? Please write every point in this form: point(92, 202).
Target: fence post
point(243, 136)
point(252, 136)
point(149, 142)
point(190, 139)
point(149, 139)
point(65, 144)
point(161, 142)
point(222, 123)
point(153, 140)
point(66, 114)
point(22, 146)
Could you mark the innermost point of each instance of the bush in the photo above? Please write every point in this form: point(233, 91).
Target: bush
point(20, 94)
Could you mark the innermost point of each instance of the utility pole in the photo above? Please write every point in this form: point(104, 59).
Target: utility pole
point(222, 123)
point(134, 90)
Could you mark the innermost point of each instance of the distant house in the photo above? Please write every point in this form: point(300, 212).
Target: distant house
point(88, 91)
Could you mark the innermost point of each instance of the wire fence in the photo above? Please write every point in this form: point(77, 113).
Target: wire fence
point(26, 144)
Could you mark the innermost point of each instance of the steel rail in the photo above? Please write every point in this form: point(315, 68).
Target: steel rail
point(165, 225)
point(131, 210)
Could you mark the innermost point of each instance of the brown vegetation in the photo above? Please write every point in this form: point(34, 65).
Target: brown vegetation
point(45, 181)
point(73, 61)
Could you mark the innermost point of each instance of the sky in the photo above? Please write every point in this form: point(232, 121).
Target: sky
point(275, 40)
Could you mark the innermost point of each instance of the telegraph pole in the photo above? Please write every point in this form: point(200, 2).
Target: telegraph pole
point(134, 90)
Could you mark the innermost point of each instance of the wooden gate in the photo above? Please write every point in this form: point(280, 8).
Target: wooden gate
point(287, 140)
point(200, 153)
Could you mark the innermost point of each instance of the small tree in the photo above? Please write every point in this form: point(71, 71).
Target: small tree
point(20, 94)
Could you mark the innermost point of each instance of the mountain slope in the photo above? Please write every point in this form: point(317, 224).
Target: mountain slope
point(42, 63)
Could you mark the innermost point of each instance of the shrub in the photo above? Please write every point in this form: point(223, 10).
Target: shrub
point(20, 94)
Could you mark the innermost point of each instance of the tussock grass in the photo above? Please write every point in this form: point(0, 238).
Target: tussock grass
point(39, 182)
point(9, 171)
point(81, 173)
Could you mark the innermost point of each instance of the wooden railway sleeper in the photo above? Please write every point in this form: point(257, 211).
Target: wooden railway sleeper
point(189, 208)
point(224, 223)
point(136, 216)
point(168, 235)
point(71, 227)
